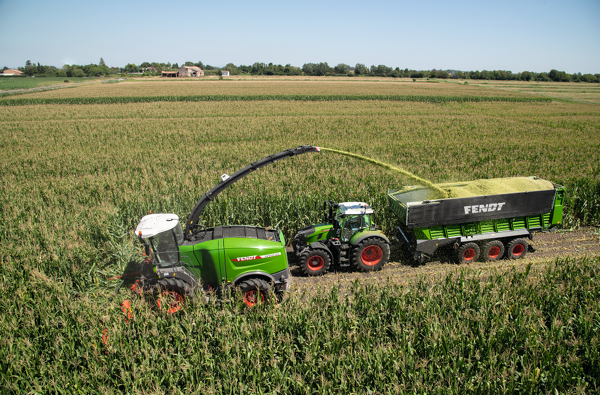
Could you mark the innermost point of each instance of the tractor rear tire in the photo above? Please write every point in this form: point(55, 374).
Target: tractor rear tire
point(255, 291)
point(467, 253)
point(172, 294)
point(492, 251)
point(371, 254)
point(314, 262)
point(517, 248)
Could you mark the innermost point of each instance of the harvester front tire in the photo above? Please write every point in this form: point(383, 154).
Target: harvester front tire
point(315, 262)
point(255, 291)
point(467, 253)
point(172, 294)
point(492, 251)
point(517, 249)
point(371, 254)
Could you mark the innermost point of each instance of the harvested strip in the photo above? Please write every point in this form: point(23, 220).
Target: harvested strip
point(307, 98)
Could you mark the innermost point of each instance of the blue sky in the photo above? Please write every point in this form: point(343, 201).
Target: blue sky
point(511, 35)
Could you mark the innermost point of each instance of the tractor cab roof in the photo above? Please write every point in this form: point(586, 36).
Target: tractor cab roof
point(153, 224)
point(354, 208)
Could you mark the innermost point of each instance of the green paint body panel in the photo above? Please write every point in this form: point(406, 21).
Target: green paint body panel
point(223, 260)
point(322, 232)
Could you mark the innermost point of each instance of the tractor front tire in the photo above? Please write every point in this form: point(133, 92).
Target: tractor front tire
point(314, 262)
point(492, 251)
point(371, 254)
point(467, 253)
point(517, 248)
point(255, 291)
point(172, 294)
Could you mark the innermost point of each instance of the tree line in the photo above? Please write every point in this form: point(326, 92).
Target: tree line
point(310, 69)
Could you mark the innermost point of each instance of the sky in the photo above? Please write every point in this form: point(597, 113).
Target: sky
point(537, 35)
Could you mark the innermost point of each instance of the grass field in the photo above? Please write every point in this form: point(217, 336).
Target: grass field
point(12, 83)
point(75, 179)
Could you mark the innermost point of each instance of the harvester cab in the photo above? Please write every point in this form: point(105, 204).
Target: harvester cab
point(347, 238)
point(161, 235)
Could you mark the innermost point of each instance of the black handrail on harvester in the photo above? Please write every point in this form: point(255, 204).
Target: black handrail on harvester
point(194, 218)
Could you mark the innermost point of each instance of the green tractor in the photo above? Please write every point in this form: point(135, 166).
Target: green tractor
point(248, 259)
point(348, 237)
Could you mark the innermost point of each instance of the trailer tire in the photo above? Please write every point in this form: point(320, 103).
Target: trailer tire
point(172, 294)
point(467, 253)
point(255, 291)
point(492, 251)
point(517, 248)
point(315, 262)
point(371, 254)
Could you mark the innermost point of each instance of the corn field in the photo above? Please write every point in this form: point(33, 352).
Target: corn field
point(78, 172)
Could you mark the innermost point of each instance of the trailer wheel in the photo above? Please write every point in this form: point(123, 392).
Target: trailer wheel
point(467, 253)
point(315, 262)
point(371, 254)
point(255, 291)
point(493, 250)
point(517, 248)
point(171, 295)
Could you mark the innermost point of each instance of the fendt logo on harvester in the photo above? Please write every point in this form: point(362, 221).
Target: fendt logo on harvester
point(484, 208)
point(255, 257)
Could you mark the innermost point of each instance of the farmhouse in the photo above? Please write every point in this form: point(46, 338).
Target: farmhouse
point(225, 73)
point(190, 71)
point(9, 72)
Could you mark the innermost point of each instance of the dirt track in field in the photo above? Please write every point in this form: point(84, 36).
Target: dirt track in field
point(548, 247)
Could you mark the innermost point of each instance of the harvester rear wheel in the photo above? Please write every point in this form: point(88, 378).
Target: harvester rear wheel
point(371, 254)
point(314, 262)
point(493, 250)
point(255, 291)
point(467, 253)
point(172, 294)
point(517, 248)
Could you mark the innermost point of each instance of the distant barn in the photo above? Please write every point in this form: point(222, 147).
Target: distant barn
point(171, 74)
point(190, 71)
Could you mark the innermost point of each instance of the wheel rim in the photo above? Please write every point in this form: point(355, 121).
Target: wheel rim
point(172, 300)
point(494, 252)
point(469, 254)
point(251, 298)
point(371, 255)
point(518, 250)
point(316, 263)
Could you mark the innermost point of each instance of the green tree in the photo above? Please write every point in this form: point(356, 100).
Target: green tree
point(102, 62)
point(233, 70)
point(188, 63)
point(341, 68)
point(131, 68)
point(361, 69)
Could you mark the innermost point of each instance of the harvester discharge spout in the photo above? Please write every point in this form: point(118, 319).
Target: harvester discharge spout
point(226, 181)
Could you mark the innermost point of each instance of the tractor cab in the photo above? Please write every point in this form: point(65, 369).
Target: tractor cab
point(162, 235)
point(352, 217)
